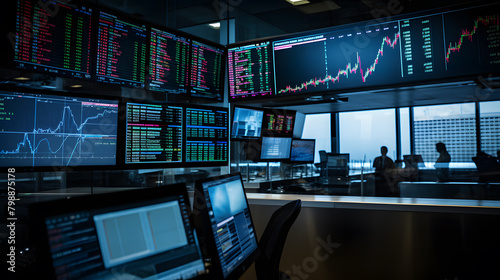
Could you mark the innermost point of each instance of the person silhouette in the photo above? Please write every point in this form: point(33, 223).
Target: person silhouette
point(383, 162)
point(443, 162)
point(384, 185)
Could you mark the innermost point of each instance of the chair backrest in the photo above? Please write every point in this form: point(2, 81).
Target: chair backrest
point(487, 168)
point(322, 156)
point(273, 239)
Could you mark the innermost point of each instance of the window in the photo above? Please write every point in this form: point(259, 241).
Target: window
point(317, 126)
point(362, 133)
point(490, 127)
point(404, 126)
point(454, 125)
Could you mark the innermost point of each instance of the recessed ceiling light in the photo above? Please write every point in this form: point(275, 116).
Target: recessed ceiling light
point(21, 78)
point(76, 86)
point(215, 25)
point(298, 2)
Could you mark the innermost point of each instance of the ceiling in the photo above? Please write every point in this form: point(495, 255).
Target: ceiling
point(262, 18)
point(277, 15)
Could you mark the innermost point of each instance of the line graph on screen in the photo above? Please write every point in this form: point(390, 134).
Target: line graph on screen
point(54, 131)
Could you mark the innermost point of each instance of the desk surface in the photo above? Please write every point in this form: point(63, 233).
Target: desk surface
point(382, 203)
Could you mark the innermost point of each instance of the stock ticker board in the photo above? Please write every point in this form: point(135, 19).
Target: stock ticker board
point(414, 49)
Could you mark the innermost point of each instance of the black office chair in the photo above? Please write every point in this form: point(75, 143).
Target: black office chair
point(323, 157)
point(273, 240)
point(487, 169)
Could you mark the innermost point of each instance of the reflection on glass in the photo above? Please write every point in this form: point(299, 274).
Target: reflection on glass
point(454, 125)
point(490, 127)
point(362, 133)
point(404, 126)
point(317, 126)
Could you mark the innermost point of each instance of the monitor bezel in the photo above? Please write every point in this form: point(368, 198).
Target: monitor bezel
point(206, 236)
point(302, 162)
point(42, 210)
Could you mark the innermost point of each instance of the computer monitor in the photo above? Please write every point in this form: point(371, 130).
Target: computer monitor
point(278, 123)
point(207, 135)
point(207, 70)
point(413, 161)
point(247, 123)
point(121, 49)
point(168, 62)
point(337, 165)
point(222, 216)
point(39, 130)
point(250, 70)
point(275, 148)
point(137, 234)
point(302, 151)
point(154, 133)
point(53, 37)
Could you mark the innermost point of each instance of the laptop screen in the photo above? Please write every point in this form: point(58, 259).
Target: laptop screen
point(141, 234)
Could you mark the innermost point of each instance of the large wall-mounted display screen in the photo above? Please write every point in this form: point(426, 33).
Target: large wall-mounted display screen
point(39, 130)
point(168, 62)
point(56, 43)
point(121, 51)
point(424, 48)
point(250, 70)
point(207, 70)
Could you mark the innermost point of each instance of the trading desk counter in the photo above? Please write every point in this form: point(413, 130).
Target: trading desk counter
point(348, 237)
point(381, 203)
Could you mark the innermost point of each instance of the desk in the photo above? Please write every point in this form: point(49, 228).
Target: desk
point(461, 190)
point(386, 238)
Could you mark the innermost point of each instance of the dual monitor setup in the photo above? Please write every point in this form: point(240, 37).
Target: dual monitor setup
point(148, 233)
point(276, 133)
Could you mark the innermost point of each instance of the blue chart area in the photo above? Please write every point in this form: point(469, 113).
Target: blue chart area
point(364, 57)
point(44, 130)
point(350, 58)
